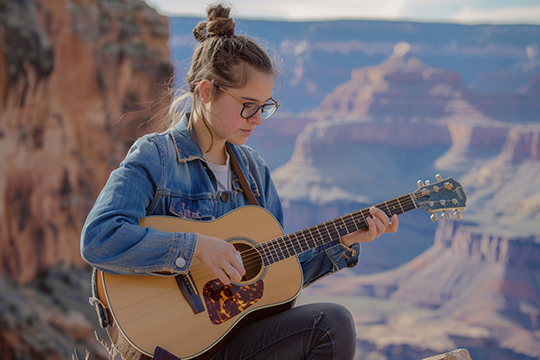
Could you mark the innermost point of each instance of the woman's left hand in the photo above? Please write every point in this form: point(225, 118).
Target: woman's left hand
point(378, 224)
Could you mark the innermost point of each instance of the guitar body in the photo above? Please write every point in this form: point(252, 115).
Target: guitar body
point(150, 311)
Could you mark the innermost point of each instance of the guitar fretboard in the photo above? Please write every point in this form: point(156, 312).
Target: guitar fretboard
point(325, 233)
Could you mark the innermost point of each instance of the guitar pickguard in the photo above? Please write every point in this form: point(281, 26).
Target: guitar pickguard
point(223, 302)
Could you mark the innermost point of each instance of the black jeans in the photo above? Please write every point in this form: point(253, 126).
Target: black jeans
point(312, 331)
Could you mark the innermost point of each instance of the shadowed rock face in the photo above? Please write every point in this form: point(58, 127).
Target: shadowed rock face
point(77, 83)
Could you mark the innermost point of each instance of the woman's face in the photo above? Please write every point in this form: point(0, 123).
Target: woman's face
point(224, 117)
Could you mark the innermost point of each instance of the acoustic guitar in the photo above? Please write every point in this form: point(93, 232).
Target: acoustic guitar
point(193, 314)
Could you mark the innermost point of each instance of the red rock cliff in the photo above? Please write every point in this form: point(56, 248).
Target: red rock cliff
point(77, 79)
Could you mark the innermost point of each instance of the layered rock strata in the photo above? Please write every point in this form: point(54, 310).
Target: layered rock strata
point(79, 83)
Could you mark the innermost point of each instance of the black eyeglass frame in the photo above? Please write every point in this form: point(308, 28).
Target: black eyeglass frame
point(275, 105)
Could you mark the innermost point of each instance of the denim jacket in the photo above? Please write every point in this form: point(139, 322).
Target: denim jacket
point(167, 174)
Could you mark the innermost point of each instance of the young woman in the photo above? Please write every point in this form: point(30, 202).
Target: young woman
point(186, 172)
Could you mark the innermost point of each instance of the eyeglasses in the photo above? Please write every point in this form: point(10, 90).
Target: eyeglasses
point(249, 108)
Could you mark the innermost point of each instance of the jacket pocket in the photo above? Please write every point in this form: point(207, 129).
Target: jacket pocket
point(193, 208)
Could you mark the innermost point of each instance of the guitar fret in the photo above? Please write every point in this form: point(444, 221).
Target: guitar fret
point(273, 253)
point(320, 236)
point(412, 201)
point(279, 248)
point(333, 231)
point(286, 247)
point(311, 237)
point(269, 252)
point(343, 227)
point(399, 203)
point(292, 247)
point(298, 244)
point(335, 228)
point(328, 232)
point(396, 208)
point(365, 223)
point(264, 253)
point(389, 212)
point(352, 223)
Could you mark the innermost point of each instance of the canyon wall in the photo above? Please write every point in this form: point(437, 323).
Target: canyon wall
point(79, 82)
point(80, 79)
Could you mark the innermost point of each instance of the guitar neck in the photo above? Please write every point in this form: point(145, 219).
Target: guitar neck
point(325, 233)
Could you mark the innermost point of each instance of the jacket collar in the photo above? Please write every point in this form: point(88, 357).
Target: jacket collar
point(188, 149)
point(185, 142)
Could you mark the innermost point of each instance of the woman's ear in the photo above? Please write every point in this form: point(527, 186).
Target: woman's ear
point(205, 91)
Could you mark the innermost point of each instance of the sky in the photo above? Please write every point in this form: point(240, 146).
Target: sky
point(451, 11)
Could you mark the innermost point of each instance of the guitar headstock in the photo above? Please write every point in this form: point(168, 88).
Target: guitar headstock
point(444, 195)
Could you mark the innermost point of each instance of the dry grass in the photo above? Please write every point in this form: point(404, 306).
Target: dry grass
point(113, 353)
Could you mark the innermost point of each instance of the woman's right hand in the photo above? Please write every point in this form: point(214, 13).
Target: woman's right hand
point(221, 258)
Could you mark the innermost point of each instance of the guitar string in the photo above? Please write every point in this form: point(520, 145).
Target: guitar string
point(252, 258)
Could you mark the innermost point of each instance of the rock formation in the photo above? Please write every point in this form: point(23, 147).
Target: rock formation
point(477, 286)
point(79, 85)
point(468, 290)
point(79, 82)
point(459, 354)
point(400, 88)
point(521, 106)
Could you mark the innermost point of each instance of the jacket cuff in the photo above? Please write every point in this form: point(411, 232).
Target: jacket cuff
point(343, 256)
point(181, 253)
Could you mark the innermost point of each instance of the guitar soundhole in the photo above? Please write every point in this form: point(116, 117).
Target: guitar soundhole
point(224, 302)
point(252, 261)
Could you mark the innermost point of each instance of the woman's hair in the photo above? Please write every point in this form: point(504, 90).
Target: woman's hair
point(222, 57)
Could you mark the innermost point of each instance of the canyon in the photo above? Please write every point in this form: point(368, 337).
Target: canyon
point(368, 108)
point(476, 282)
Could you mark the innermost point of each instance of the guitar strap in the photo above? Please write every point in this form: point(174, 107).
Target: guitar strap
point(243, 182)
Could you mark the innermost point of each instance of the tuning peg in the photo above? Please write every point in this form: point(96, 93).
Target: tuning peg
point(458, 215)
point(445, 216)
point(427, 182)
point(434, 217)
point(439, 177)
point(419, 183)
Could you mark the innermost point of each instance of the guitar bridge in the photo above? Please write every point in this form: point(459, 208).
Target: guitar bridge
point(189, 291)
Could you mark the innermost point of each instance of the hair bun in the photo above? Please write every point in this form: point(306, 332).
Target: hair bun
point(218, 24)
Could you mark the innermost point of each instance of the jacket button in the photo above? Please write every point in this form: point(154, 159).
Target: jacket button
point(180, 262)
point(224, 197)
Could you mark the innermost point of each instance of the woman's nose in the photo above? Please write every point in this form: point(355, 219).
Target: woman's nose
point(256, 118)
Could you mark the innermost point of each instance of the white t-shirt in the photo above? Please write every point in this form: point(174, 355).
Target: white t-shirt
point(222, 174)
